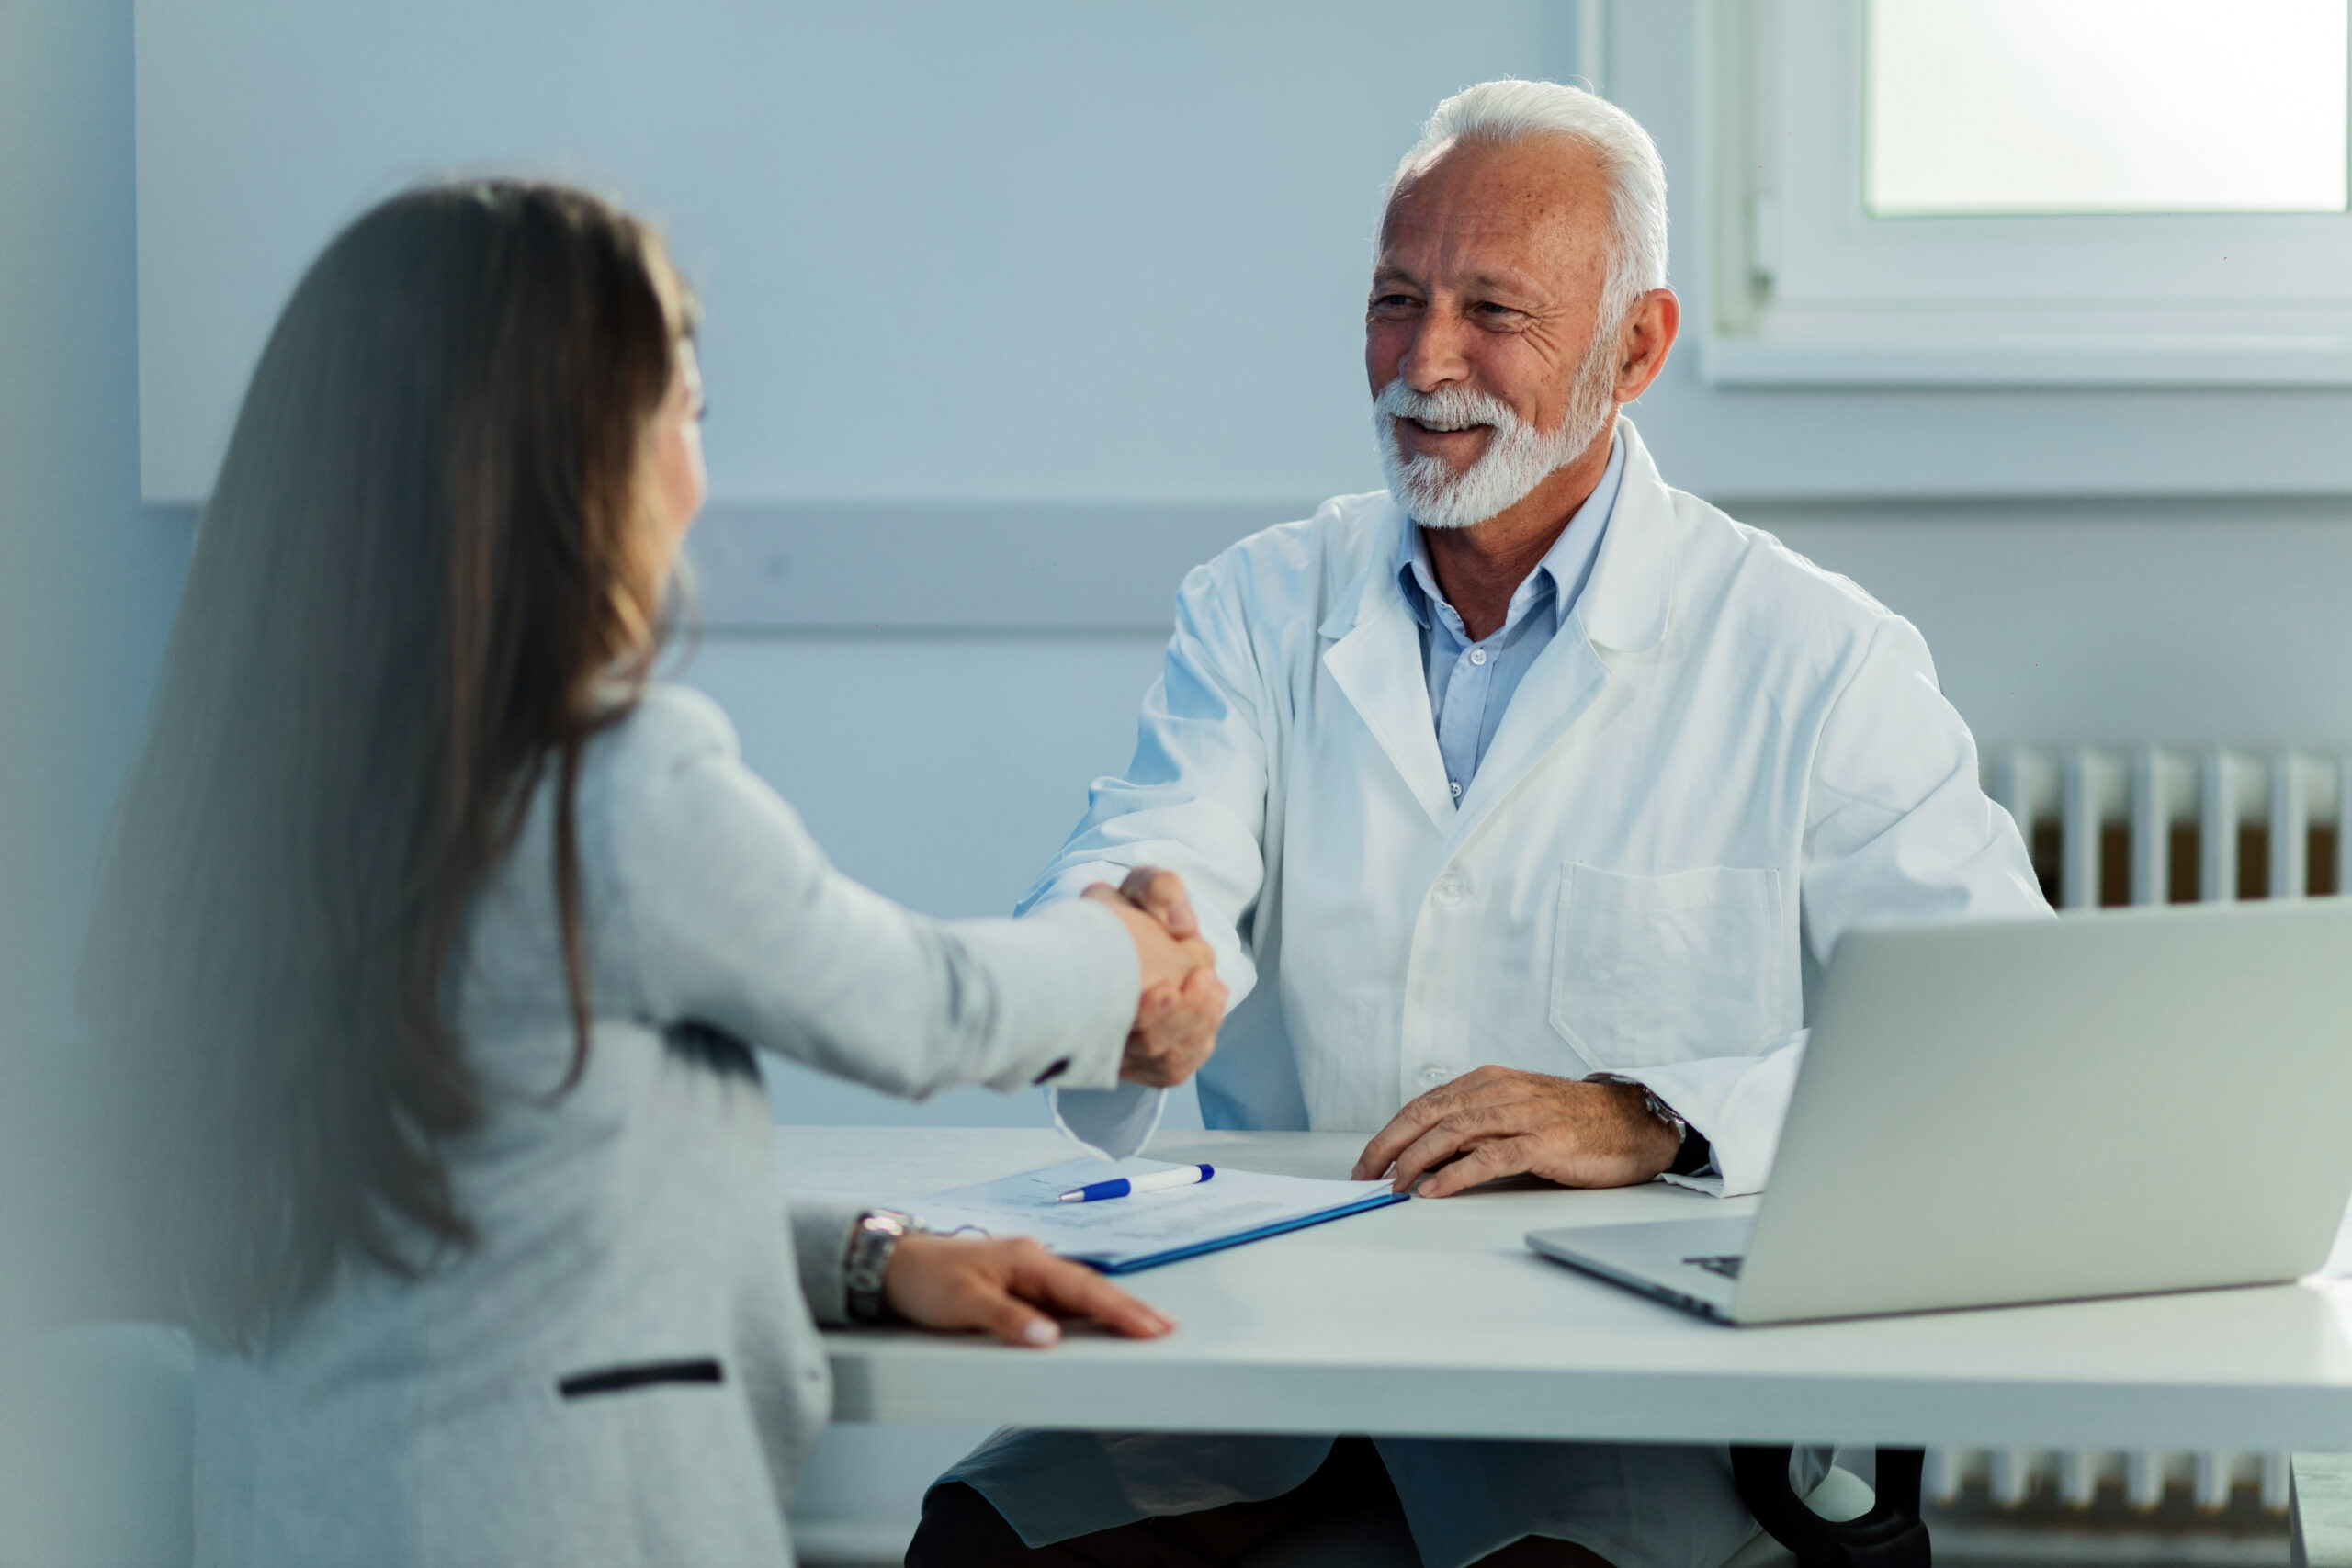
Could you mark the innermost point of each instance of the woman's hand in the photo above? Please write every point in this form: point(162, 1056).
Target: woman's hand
point(1183, 1001)
point(952, 1284)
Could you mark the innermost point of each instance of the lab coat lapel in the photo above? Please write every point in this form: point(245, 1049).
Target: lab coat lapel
point(1376, 663)
point(1558, 690)
point(1623, 611)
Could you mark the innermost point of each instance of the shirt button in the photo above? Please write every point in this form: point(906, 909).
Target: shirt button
point(1450, 889)
point(1477, 656)
point(1455, 788)
point(1433, 1075)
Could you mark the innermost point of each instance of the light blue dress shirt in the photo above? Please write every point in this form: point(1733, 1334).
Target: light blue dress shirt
point(1471, 682)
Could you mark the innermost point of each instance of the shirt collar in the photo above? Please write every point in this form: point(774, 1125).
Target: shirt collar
point(1563, 571)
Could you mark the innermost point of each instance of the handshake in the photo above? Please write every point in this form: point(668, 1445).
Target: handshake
point(1182, 1000)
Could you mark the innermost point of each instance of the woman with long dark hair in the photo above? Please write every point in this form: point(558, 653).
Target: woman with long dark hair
point(439, 939)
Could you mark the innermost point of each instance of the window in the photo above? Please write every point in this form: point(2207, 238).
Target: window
point(2023, 192)
point(1982, 107)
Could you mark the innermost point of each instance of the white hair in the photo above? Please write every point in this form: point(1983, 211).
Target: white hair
point(1509, 110)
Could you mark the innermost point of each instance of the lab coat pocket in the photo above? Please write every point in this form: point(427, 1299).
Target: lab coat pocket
point(1652, 969)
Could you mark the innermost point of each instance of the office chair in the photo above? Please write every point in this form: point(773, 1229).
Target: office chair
point(1380, 1539)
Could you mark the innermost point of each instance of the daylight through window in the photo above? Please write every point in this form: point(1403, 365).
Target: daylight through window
point(2024, 106)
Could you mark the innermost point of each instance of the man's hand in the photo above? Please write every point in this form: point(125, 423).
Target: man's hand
point(963, 1282)
point(1501, 1122)
point(1182, 1000)
point(1161, 893)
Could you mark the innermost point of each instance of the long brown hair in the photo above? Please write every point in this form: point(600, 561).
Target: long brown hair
point(418, 574)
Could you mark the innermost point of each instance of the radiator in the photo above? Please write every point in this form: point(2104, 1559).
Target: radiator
point(2074, 1478)
point(2157, 825)
point(2168, 824)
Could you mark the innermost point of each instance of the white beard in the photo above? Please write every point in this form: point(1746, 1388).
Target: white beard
point(1518, 456)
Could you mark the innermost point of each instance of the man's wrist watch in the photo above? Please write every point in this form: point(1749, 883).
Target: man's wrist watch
point(1693, 1153)
point(872, 1241)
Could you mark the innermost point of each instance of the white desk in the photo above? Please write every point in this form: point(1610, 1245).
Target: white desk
point(1431, 1317)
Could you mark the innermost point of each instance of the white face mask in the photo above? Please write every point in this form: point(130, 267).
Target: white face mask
point(1518, 458)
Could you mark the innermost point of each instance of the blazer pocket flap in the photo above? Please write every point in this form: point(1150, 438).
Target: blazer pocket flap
point(640, 1374)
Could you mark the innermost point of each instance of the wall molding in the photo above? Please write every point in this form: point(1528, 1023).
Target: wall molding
point(967, 570)
point(959, 568)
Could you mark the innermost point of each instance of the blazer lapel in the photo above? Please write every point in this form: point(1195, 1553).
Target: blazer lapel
point(1377, 663)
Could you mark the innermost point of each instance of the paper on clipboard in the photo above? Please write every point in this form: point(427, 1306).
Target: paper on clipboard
point(1120, 1236)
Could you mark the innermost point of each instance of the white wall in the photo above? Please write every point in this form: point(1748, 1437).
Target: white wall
point(2224, 619)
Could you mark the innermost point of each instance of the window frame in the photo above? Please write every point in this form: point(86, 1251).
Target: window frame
point(1806, 288)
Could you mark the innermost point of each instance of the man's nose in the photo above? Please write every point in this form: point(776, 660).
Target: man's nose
point(1435, 356)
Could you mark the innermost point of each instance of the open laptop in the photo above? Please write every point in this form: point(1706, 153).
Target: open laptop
point(2030, 1110)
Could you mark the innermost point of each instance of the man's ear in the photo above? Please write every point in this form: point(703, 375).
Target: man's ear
point(1645, 339)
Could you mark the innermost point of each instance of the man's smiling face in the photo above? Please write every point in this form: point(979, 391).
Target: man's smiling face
point(1489, 278)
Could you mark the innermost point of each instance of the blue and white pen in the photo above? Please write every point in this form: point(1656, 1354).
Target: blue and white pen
point(1119, 1187)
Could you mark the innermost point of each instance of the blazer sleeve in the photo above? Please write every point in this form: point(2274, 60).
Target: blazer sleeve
point(1898, 829)
point(1193, 800)
point(821, 1231)
point(738, 920)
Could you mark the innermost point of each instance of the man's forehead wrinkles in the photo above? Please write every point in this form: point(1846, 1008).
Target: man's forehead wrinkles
point(1507, 258)
point(1529, 233)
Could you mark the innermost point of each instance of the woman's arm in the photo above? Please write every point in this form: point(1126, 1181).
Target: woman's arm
point(1012, 1288)
point(737, 919)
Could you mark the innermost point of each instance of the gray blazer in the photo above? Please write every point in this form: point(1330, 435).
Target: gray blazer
point(624, 1369)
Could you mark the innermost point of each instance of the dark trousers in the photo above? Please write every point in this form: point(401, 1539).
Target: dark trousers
point(960, 1528)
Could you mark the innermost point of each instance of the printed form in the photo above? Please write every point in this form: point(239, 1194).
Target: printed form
point(1119, 1236)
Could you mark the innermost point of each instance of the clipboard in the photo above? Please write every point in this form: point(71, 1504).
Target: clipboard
point(1127, 1235)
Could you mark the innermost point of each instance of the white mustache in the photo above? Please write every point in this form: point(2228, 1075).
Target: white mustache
point(1449, 408)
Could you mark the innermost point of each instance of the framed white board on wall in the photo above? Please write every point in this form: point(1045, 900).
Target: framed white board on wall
point(1038, 250)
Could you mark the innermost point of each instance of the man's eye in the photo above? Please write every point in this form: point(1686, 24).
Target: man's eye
point(1394, 302)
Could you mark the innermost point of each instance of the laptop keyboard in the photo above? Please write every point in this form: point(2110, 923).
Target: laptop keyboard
point(1726, 1264)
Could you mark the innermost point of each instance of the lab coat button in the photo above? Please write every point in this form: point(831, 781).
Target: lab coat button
point(1433, 1075)
point(1450, 889)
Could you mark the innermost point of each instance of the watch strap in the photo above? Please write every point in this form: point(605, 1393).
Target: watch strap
point(1694, 1153)
point(872, 1243)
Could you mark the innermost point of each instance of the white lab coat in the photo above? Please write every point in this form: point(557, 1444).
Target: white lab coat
point(1725, 759)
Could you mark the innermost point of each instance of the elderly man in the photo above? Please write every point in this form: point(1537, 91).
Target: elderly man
point(1511, 800)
